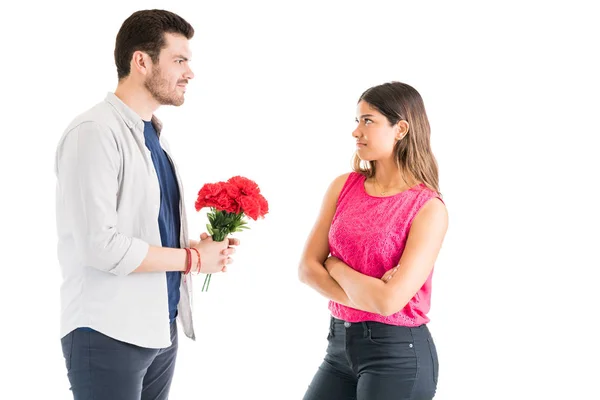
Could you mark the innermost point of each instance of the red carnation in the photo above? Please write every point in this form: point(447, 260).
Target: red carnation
point(207, 194)
point(264, 205)
point(250, 206)
point(247, 187)
point(232, 190)
point(225, 203)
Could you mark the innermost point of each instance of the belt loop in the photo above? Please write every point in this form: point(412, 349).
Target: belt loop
point(366, 329)
point(331, 327)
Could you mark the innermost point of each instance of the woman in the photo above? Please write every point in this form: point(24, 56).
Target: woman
point(382, 227)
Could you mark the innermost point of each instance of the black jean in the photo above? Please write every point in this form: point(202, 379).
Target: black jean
point(375, 361)
point(102, 368)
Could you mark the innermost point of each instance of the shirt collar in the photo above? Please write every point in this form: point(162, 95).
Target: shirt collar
point(131, 118)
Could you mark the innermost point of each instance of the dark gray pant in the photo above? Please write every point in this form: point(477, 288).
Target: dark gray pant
point(102, 368)
point(375, 361)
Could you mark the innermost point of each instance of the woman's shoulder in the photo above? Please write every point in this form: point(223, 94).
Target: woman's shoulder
point(428, 201)
point(341, 184)
point(342, 179)
point(346, 180)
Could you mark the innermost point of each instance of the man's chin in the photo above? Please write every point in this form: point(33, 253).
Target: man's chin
point(175, 103)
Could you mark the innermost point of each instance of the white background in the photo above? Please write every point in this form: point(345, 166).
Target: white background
point(511, 91)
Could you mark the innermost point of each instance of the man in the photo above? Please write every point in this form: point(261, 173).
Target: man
point(122, 225)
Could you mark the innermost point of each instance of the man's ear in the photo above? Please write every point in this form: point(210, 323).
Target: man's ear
point(141, 62)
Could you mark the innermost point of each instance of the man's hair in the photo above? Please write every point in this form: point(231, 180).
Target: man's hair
point(145, 31)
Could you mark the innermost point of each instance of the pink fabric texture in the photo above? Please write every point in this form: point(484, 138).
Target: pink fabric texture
point(369, 234)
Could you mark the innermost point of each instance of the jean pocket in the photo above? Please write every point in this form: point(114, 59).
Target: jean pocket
point(67, 349)
point(388, 337)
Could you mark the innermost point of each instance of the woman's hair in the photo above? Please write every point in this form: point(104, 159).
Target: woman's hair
point(398, 101)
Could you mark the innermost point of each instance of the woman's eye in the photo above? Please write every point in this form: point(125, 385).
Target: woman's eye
point(368, 121)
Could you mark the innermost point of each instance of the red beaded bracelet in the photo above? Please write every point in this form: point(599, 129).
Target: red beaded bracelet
point(189, 261)
point(199, 264)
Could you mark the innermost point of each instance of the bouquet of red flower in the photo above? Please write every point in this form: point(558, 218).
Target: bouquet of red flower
point(229, 202)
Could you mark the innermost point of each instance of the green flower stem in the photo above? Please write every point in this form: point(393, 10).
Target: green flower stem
point(206, 282)
point(221, 224)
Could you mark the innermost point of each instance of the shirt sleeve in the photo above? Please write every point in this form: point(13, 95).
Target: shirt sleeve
point(87, 170)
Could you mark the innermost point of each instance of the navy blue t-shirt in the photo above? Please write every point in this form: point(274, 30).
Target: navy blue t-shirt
point(169, 218)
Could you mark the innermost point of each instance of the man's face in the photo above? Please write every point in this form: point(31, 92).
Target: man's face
point(169, 76)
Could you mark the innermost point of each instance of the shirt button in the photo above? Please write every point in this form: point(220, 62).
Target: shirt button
point(347, 324)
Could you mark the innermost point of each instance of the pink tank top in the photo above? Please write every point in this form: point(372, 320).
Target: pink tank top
point(369, 234)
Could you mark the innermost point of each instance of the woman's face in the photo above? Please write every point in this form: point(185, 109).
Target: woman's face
point(375, 137)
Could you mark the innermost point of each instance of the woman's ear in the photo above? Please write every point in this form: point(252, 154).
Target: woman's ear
point(401, 129)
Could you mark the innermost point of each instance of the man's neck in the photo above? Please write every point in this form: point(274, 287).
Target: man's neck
point(139, 100)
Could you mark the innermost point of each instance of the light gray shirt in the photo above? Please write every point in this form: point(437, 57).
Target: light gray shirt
point(107, 205)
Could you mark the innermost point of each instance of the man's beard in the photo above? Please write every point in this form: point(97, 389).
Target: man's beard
point(158, 88)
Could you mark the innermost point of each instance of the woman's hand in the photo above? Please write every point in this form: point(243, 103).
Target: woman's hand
point(389, 274)
point(331, 262)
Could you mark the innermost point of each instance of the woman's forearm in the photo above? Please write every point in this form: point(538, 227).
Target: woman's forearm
point(364, 291)
point(317, 277)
